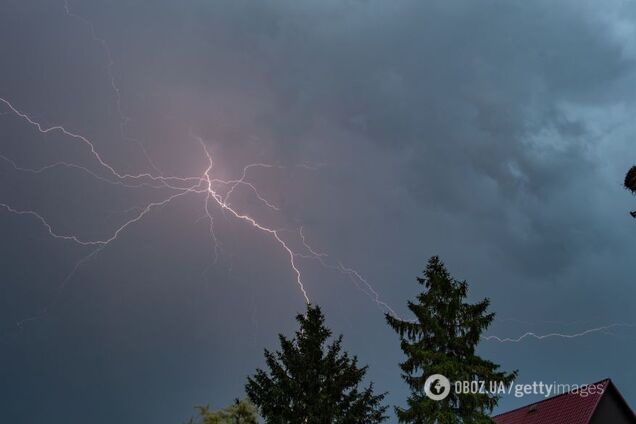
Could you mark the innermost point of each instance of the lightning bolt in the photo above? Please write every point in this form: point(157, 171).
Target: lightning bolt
point(204, 184)
point(182, 185)
point(163, 181)
point(531, 335)
point(356, 278)
point(221, 201)
point(124, 120)
point(215, 193)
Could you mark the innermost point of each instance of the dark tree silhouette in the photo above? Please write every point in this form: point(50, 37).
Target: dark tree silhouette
point(312, 382)
point(241, 412)
point(630, 180)
point(630, 184)
point(442, 340)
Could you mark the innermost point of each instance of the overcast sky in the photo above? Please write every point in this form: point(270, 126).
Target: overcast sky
point(495, 134)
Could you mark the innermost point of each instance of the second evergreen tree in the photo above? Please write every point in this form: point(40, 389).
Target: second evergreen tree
point(442, 340)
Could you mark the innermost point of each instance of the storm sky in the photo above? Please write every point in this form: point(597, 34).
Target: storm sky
point(492, 133)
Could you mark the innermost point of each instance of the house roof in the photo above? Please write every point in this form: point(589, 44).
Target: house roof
point(571, 408)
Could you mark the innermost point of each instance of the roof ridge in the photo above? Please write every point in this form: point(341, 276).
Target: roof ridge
point(605, 380)
point(608, 383)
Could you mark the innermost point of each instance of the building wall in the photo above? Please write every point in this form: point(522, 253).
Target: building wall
point(611, 409)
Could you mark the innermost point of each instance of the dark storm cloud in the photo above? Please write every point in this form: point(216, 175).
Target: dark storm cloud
point(473, 95)
point(494, 133)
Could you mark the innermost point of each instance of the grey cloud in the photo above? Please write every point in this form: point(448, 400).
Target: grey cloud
point(491, 132)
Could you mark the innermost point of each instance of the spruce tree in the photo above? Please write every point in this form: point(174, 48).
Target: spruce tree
point(442, 340)
point(311, 381)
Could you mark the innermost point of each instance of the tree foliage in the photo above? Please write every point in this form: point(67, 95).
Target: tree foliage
point(442, 340)
point(241, 412)
point(311, 381)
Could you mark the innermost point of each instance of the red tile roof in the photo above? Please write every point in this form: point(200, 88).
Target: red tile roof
point(571, 408)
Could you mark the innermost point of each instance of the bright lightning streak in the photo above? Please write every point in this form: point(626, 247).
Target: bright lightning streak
point(74, 166)
point(241, 181)
point(210, 192)
point(205, 184)
point(48, 227)
point(531, 335)
point(213, 195)
point(375, 296)
point(353, 275)
point(109, 56)
point(103, 242)
point(182, 185)
point(123, 119)
point(58, 128)
point(308, 247)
